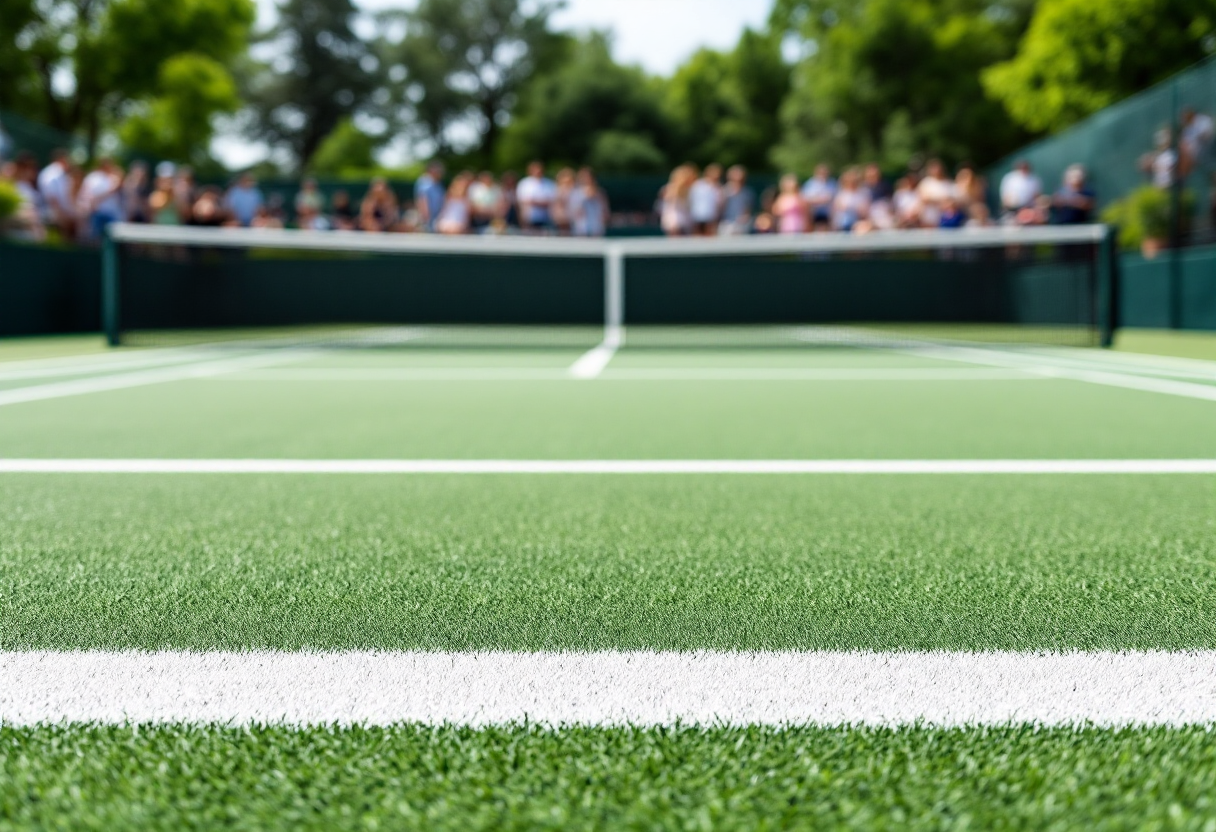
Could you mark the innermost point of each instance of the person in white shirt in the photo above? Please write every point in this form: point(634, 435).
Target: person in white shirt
point(852, 202)
point(934, 191)
point(1019, 189)
point(705, 202)
point(100, 200)
point(535, 194)
point(1198, 130)
point(485, 202)
point(55, 185)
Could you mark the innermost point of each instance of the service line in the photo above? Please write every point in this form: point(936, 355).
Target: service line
point(610, 688)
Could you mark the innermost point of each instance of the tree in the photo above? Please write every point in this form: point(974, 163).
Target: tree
point(1080, 56)
point(590, 110)
point(884, 79)
point(177, 123)
point(465, 62)
point(725, 105)
point(80, 64)
point(346, 150)
point(323, 74)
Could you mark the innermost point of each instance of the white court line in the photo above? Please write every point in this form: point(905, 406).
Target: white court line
point(610, 688)
point(593, 362)
point(1042, 365)
point(74, 366)
point(608, 466)
point(141, 378)
point(636, 374)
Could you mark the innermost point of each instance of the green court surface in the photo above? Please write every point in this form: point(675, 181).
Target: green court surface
point(1038, 563)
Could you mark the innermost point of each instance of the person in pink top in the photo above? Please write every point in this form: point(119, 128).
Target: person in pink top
point(790, 209)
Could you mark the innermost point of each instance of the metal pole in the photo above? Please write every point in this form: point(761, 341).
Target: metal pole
point(1175, 253)
point(614, 296)
point(1108, 287)
point(110, 323)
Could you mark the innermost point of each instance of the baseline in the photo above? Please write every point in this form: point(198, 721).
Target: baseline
point(610, 688)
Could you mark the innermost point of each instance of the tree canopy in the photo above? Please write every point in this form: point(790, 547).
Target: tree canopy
point(1080, 56)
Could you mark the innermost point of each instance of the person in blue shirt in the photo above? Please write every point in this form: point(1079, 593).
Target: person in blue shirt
point(1073, 203)
point(429, 196)
point(243, 200)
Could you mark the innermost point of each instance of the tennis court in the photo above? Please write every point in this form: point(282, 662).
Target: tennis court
point(814, 575)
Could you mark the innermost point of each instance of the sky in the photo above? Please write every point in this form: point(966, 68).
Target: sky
point(656, 34)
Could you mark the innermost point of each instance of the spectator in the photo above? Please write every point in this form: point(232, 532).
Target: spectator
point(135, 193)
point(429, 195)
point(344, 216)
point(790, 209)
point(969, 187)
point(905, 204)
point(818, 193)
point(589, 207)
point(59, 193)
point(379, 209)
point(456, 213)
point(265, 217)
point(1198, 130)
point(674, 210)
point(185, 194)
point(535, 195)
point(162, 206)
point(208, 209)
point(562, 195)
point(933, 191)
point(486, 202)
point(310, 207)
point(951, 215)
point(1073, 203)
point(510, 202)
point(978, 216)
point(243, 200)
point(852, 202)
point(737, 204)
point(27, 223)
point(100, 198)
point(1019, 189)
point(705, 201)
point(874, 185)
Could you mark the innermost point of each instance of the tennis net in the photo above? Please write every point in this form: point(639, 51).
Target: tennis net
point(165, 284)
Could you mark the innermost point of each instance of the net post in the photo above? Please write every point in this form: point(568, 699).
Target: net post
point(110, 323)
point(614, 295)
point(1108, 268)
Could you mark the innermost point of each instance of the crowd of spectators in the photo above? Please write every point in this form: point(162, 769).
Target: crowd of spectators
point(78, 204)
point(862, 199)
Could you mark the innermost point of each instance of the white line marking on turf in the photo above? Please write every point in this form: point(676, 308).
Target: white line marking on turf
point(610, 688)
point(637, 374)
point(1041, 365)
point(593, 362)
point(12, 372)
point(607, 466)
point(141, 378)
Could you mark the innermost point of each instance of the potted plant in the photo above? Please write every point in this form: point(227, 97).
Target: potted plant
point(1144, 217)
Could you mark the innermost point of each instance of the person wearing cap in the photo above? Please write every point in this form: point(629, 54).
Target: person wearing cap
point(1073, 203)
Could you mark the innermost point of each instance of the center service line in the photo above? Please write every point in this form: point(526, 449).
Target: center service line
point(608, 466)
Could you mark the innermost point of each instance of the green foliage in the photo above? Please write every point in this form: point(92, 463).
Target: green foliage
point(10, 199)
point(590, 109)
point(345, 150)
point(885, 78)
point(1080, 56)
point(467, 60)
point(111, 50)
point(177, 123)
point(326, 73)
point(725, 105)
point(1146, 214)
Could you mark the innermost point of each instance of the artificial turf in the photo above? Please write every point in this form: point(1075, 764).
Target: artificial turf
point(515, 777)
point(572, 562)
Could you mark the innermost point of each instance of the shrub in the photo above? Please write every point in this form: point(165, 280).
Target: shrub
point(1145, 214)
